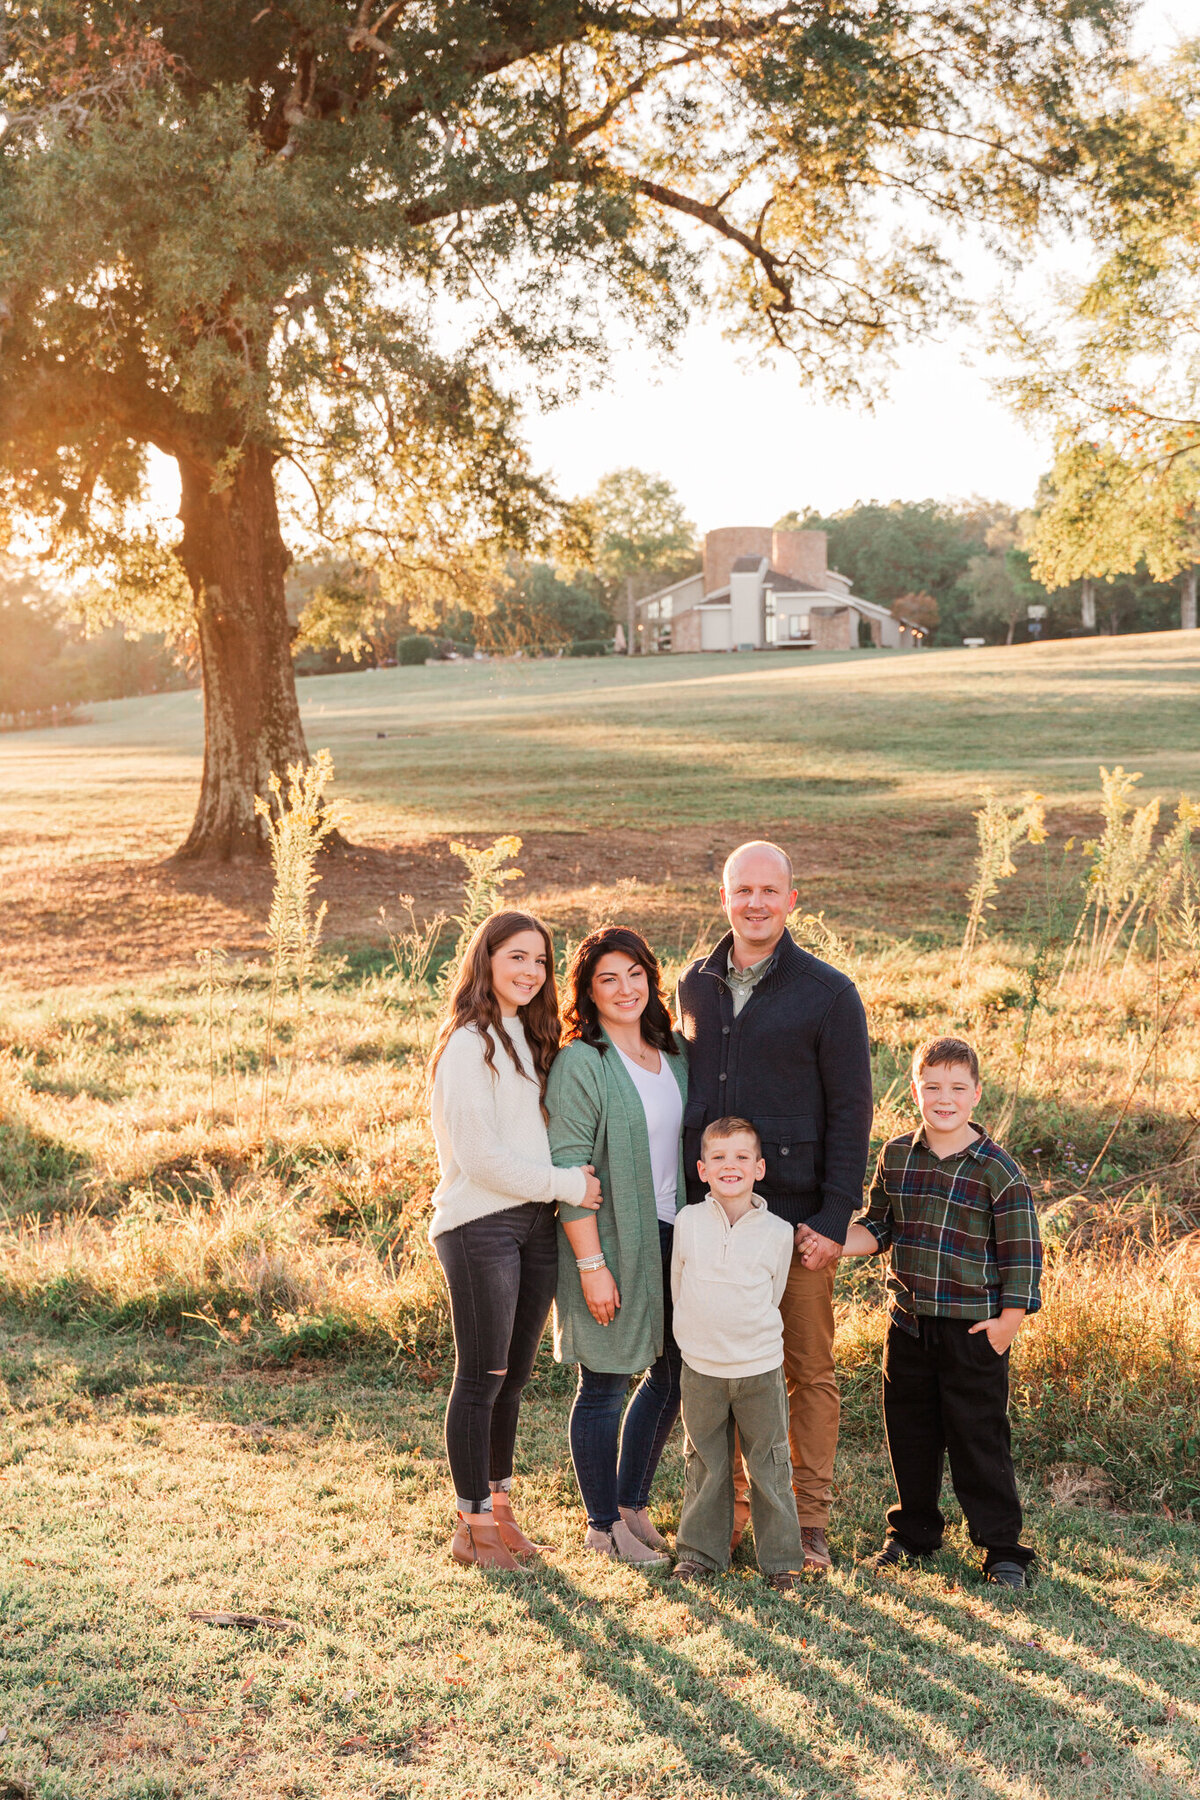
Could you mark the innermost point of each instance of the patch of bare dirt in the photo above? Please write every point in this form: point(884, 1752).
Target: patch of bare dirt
point(67, 924)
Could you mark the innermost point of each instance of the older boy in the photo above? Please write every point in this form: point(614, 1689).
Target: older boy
point(957, 1214)
point(729, 1269)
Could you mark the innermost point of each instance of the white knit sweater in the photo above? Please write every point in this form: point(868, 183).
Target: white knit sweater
point(492, 1147)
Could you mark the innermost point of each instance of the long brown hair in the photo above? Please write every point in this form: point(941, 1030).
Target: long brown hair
point(472, 1000)
point(582, 1019)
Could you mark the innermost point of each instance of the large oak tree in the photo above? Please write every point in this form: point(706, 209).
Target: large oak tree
point(314, 250)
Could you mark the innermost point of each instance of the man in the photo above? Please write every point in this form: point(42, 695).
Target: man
point(780, 1038)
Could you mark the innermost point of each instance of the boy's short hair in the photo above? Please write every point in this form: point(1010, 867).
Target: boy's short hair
point(727, 1128)
point(935, 1051)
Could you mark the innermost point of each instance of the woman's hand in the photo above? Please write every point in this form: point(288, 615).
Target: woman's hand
point(591, 1193)
point(600, 1292)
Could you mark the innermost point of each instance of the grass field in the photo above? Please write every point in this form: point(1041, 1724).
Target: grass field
point(224, 1352)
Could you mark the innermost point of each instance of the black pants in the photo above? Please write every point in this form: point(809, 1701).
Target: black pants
point(947, 1391)
point(501, 1272)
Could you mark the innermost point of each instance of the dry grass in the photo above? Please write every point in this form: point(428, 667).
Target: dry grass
point(224, 1354)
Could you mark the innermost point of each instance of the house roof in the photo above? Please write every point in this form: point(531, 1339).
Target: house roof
point(791, 584)
point(747, 565)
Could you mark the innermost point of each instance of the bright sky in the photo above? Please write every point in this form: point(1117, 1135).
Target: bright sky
point(744, 444)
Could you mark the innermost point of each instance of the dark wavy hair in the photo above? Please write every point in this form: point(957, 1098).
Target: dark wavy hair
point(472, 1000)
point(581, 1018)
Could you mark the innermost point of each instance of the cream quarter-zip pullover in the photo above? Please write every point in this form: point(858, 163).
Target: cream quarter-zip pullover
point(726, 1285)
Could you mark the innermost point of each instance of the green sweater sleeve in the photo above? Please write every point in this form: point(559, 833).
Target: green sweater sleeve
point(573, 1102)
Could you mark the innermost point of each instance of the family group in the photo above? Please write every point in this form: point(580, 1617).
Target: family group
point(679, 1193)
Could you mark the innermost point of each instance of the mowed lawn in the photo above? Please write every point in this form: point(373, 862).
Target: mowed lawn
point(603, 744)
point(142, 1483)
point(146, 1475)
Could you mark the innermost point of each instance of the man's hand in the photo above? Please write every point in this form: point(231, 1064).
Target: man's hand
point(1002, 1330)
point(600, 1292)
point(815, 1251)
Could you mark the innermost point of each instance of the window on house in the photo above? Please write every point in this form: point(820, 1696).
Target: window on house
point(770, 623)
point(798, 626)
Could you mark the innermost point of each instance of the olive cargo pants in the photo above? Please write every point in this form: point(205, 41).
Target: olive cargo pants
point(757, 1406)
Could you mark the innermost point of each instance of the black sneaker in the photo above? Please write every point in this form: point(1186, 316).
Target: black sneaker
point(1006, 1574)
point(895, 1556)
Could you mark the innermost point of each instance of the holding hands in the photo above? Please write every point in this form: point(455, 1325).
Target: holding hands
point(815, 1251)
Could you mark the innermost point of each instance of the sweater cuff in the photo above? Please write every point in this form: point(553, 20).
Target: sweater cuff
point(570, 1186)
point(833, 1219)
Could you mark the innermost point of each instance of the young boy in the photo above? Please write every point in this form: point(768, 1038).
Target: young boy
point(958, 1217)
point(729, 1268)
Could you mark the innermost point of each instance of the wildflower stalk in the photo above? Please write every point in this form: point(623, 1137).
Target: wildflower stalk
point(1001, 829)
point(297, 823)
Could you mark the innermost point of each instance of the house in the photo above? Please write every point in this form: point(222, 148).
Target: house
point(762, 589)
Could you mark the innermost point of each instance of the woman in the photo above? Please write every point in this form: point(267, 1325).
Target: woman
point(493, 1212)
point(615, 1097)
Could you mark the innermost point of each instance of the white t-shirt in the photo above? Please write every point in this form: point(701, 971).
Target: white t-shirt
point(662, 1104)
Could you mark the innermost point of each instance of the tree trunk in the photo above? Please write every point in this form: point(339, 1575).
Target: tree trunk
point(1087, 604)
point(631, 605)
point(234, 557)
point(1187, 607)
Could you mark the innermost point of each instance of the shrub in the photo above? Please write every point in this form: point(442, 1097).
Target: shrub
point(413, 650)
point(591, 647)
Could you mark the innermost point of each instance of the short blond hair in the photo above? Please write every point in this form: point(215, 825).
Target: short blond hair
point(728, 1127)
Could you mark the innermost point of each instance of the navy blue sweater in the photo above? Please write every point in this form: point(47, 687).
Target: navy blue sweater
point(796, 1062)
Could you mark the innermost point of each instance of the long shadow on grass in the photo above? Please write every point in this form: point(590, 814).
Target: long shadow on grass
point(725, 1741)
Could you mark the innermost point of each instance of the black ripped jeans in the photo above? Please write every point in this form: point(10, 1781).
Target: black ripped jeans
point(501, 1272)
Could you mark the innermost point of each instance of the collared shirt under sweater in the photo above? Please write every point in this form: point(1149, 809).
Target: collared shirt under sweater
point(962, 1230)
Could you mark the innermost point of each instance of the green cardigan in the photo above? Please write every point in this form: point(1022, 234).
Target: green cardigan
point(596, 1117)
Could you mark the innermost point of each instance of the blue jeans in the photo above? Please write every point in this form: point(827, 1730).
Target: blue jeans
point(615, 1464)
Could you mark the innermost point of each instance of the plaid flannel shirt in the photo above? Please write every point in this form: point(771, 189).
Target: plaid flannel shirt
point(962, 1230)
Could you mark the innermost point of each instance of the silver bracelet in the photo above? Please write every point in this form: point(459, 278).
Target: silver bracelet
point(587, 1265)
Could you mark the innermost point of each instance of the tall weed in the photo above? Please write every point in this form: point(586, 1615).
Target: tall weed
point(297, 824)
point(1000, 830)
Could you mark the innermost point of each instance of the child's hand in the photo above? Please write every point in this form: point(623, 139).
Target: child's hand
point(1002, 1330)
point(815, 1251)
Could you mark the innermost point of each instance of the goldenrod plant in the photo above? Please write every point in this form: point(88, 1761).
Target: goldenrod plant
point(483, 889)
point(1000, 828)
point(297, 823)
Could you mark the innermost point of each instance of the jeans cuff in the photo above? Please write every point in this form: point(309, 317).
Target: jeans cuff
point(501, 1487)
point(473, 1506)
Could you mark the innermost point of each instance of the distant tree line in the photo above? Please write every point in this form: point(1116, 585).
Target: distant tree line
point(963, 569)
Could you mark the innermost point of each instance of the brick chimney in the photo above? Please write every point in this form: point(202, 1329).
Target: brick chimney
point(723, 547)
point(803, 554)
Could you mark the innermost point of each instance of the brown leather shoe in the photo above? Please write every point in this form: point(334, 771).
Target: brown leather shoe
point(515, 1540)
point(741, 1518)
point(688, 1569)
point(786, 1581)
point(817, 1559)
point(478, 1541)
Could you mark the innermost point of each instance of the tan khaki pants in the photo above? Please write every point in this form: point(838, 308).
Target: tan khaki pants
point(813, 1405)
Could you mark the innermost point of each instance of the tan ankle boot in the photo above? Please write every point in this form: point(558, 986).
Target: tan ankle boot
point(478, 1540)
point(515, 1540)
point(643, 1529)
